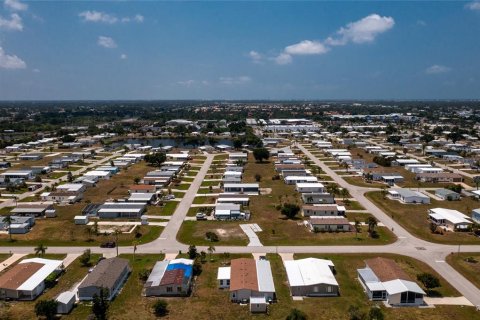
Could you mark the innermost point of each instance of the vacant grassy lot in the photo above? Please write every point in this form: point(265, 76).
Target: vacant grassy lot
point(413, 217)
point(280, 231)
point(468, 264)
point(61, 231)
point(72, 275)
point(360, 182)
point(228, 232)
point(204, 200)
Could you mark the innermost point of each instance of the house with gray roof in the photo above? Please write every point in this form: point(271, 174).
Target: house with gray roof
point(408, 196)
point(109, 274)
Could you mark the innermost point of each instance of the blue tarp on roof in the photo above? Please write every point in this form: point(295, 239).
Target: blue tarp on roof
point(187, 269)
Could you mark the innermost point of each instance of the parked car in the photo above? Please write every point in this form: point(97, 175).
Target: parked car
point(201, 216)
point(109, 244)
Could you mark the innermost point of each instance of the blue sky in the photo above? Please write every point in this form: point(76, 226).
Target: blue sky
point(239, 50)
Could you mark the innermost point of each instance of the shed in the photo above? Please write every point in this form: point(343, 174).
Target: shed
point(65, 302)
point(258, 305)
point(80, 220)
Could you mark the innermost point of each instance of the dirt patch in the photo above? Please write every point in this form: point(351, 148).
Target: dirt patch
point(264, 191)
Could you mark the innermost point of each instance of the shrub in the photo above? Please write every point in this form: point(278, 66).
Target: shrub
point(160, 308)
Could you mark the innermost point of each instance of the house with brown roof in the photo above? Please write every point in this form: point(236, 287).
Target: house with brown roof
point(383, 279)
point(250, 278)
point(170, 278)
point(440, 177)
point(26, 280)
point(142, 188)
point(109, 274)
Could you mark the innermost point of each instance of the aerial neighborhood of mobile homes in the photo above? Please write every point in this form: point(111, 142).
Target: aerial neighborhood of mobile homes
point(301, 207)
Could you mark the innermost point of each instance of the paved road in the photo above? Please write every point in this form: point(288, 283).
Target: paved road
point(167, 242)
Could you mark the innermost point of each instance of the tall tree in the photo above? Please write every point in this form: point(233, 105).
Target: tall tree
point(100, 305)
point(7, 220)
point(46, 309)
point(40, 250)
point(261, 154)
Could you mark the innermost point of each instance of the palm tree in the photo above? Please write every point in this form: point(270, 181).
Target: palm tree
point(211, 250)
point(344, 193)
point(332, 188)
point(476, 180)
point(372, 223)
point(8, 221)
point(357, 228)
point(40, 250)
point(116, 232)
point(134, 243)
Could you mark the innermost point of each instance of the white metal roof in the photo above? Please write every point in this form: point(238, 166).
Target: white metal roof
point(310, 271)
point(301, 178)
point(309, 185)
point(97, 173)
point(65, 297)
point(264, 276)
point(399, 285)
point(224, 273)
point(38, 277)
point(453, 216)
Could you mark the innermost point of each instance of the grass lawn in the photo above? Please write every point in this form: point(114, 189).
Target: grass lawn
point(193, 211)
point(210, 183)
point(229, 233)
point(61, 231)
point(179, 194)
point(204, 200)
point(72, 275)
point(279, 231)
point(56, 175)
point(166, 210)
point(469, 269)
point(353, 205)
point(191, 173)
point(413, 217)
point(360, 182)
point(182, 186)
point(30, 199)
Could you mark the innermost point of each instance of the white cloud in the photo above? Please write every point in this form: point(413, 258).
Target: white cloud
point(186, 83)
point(475, 5)
point(306, 47)
point(106, 42)
point(97, 16)
point(15, 23)
point(255, 56)
point(11, 61)
point(421, 23)
point(138, 18)
point(437, 69)
point(234, 80)
point(102, 17)
point(36, 70)
point(283, 58)
point(15, 5)
point(123, 56)
point(362, 31)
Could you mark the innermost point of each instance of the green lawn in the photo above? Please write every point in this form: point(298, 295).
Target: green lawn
point(182, 186)
point(204, 200)
point(210, 183)
point(468, 264)
point(167, 210)
point(229, 233)
point(413, 217)
point(360, 182)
